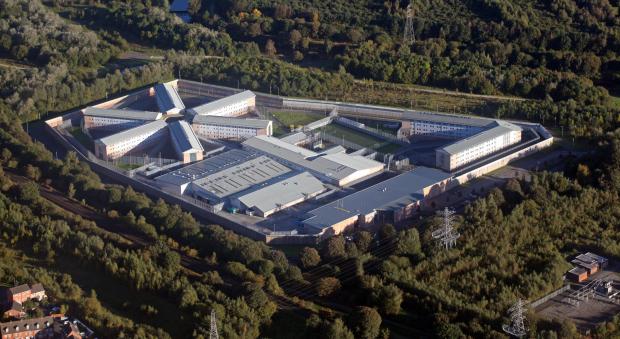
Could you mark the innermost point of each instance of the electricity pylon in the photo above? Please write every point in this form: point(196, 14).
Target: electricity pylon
point(517, 325)
point(213, 334)
point(409, 35)
point(446, 234)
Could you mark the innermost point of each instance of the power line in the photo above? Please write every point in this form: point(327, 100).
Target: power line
point(516, 326)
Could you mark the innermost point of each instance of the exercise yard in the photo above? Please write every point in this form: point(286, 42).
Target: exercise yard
point(361, 139)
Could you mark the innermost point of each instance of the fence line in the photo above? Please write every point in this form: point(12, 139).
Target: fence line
point(549, 296)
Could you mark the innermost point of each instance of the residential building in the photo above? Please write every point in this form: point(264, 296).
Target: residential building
point(40, 328)
point(470, 149)
point(117, 145)
point(230, 106)
point(100, 119)
point(28, 328)
point(23, 293)
point(168, 99)
point(15, 311)
point(185, 142)
point(221, 127)
point(336, 168)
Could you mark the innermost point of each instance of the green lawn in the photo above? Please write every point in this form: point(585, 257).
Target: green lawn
point(361, 139)
point(128, 167)
point(284, 120)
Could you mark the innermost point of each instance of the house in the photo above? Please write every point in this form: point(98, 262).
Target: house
point(577, 274)
point(23, 293)
point(45, 327)
point(19, 294)
point(16, 311)
point(37, 292)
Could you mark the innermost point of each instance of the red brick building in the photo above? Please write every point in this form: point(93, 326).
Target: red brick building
point(23, 293)
point(40, 328)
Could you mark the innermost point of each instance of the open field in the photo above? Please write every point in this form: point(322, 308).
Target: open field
point(10, 63)
point(422, 98)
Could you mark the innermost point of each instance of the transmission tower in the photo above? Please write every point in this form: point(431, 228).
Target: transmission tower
point(409, 36)
point(213, 334)
point(446, 234)
point(517, 326)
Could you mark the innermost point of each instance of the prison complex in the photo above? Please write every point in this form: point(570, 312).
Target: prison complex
point(168, 99)
point(100, 119)
point(117, 145)
point(470, 149)
point(340, 169)
point(185, 142)
point(217, 127)
point(390, 201)
point(230, 106)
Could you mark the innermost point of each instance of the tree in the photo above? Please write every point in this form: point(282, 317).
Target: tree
point(270, 48)
point(298, 56)
point(387, 232)
point(309, 257)
point(337, 330)
point(27, 192)
point(294, 38)
point(363, 240)
point(327, 286)
point(71, 191)
point(255, 30)
point(388, 298)
point(408, 242)
point(365, 322)
point(334, 247)
point(193, 7)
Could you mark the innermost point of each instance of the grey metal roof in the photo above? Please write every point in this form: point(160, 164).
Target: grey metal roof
point(168, 97)
point(291, 189)
point(390, 194)
point(205, 167)
point(19, 289)
point(133, 132)
point(452, 119)
point(121, 114)
point(230, 121)
point(184, 136)
point(240, 177)
point(335, 166)
point(500, 128)
point(205, 109)
point(295, 138)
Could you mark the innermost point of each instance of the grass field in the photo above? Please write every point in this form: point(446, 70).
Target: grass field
point(361, 139)
point(409, 96)
point(128, 167)
point(284, 120)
